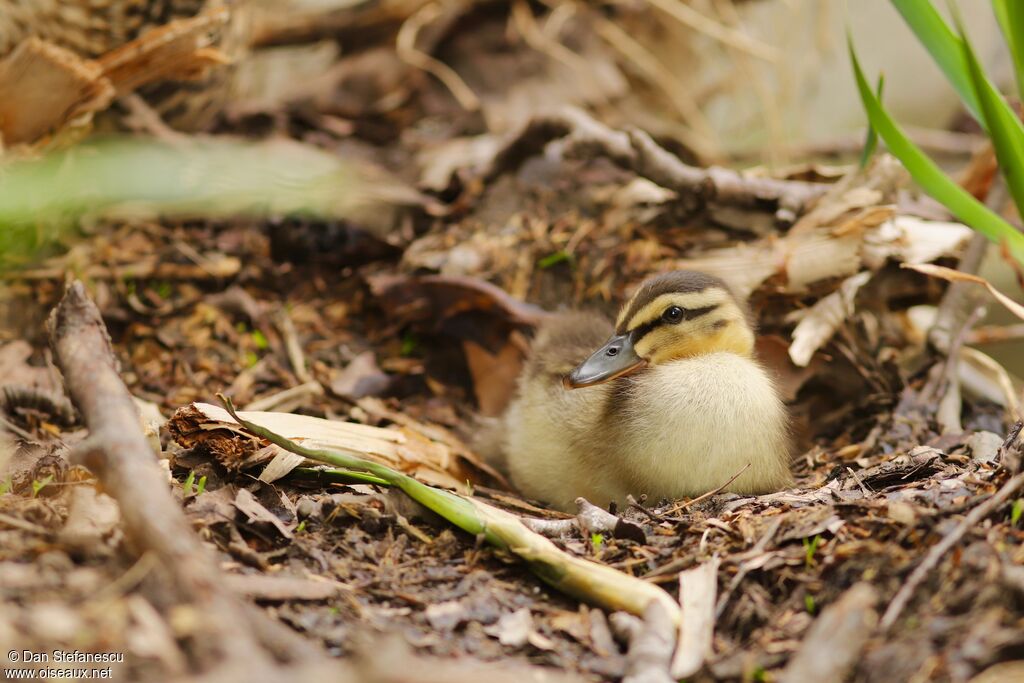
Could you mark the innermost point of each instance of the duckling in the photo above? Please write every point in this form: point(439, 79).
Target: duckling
point(669, 402)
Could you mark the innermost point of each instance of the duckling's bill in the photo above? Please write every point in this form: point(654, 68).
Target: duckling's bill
point(616, 358)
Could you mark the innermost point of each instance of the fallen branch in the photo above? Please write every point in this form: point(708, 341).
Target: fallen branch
point(225, 631)
point(636, 150)
point(589, 520)
point(596, 583)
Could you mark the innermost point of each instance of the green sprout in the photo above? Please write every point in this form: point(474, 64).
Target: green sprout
point(39, 485)
point(301, 527)
point(810, 548)
point(555, 258)
point(1015, 512)
point(809, 603)
point(259, 339)
point(596, 540)
point(189, 481)
point(409, 344)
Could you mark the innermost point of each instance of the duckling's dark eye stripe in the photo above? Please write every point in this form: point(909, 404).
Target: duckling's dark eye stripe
point(638, 332)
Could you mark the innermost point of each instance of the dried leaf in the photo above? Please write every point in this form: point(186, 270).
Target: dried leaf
point(956, 276)
point(43, 87)
point(824, 318)
point(494, 375)
point(254, 510)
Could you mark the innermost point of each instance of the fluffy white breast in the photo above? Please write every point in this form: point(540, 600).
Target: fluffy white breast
point(692, 424)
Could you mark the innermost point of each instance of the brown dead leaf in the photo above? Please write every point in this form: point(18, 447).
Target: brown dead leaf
point(430, 454)
point(773, 352)
point(434, 298)
point(15, 369)
point(361, 377)
point(494, 375)
point(247, 504)
point(821, 321)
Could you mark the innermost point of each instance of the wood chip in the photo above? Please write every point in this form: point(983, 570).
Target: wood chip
point(834, 642)
point(697, 593)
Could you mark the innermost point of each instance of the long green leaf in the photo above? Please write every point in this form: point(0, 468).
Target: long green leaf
point(943, 45)
point(1003, 125)
point(597, 583)
point(930, 177)
point(871, 142)
point(1010, 14)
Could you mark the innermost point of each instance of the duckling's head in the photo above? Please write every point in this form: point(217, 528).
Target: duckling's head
point(676, 315)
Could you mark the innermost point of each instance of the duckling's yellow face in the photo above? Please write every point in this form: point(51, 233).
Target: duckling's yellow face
point(678, 315)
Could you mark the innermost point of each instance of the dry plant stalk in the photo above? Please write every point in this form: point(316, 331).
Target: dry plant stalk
point(589, 581)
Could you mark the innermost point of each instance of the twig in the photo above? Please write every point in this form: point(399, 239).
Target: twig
point(590, 519)
point(704, 496)
point(291, 397)
point(974, 517)
point(960, 298)
point(405, 47)
point(635, 150)
point(856, 477)
point(291, 344)
point(995, 334)
point(688, 16)
point(951, 403)
point(23, 525)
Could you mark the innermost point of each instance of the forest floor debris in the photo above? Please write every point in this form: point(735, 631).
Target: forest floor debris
point(409, 326)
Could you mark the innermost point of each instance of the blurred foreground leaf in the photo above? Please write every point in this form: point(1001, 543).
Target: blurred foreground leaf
point(40, 200)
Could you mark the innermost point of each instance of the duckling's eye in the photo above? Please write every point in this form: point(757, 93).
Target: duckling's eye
point(672, 315)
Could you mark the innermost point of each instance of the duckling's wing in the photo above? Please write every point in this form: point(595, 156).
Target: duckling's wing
point(563, 341)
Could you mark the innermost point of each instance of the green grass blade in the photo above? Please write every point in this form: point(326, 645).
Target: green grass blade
point(872, 139)
point(930, 177)
point(943, 45)
point(1003, 125)
point(1010, 14)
